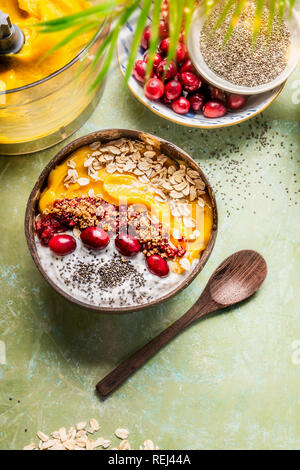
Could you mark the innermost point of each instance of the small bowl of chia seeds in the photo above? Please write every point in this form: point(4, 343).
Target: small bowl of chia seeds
point(243, 64)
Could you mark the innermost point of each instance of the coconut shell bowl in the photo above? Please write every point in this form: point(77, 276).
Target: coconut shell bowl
point(105, 136)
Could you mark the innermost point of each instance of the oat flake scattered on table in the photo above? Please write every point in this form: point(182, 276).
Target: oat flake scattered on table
point(77, 438)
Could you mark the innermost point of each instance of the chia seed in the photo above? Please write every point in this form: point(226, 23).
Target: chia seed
point(239, 60)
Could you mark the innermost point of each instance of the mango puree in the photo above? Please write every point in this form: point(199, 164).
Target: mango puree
point(117, 188)
point(27, 66)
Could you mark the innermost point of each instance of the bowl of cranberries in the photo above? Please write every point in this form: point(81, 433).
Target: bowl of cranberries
point(177, 92)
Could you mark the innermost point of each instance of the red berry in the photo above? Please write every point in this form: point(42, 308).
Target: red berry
point(157, 59)
point(190, 81)
point(181, 105)
point(188, 67)
point(197, 101)
point(164, 46)
point(165, 100)
point(168, 74)
point(235, 101)
point(95, 237)
point(214, 109)
point(62, 244)
point(127, 245)
point(163, 29)
point(146, 38)
point(158, 266)
point(139, 71)
point(217, 94)
point(182, 37)
point(173, 90)
point(181, 53)
point(154, 89)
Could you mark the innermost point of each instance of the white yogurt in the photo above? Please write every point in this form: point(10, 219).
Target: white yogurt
point(83, 276)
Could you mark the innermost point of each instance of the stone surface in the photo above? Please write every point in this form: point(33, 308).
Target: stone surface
point(228, 382)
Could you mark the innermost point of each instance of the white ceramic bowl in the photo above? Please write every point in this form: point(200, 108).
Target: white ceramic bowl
point(255, 104)
point(196, 56)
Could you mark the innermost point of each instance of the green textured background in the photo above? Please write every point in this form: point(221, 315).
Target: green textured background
point(228, 382)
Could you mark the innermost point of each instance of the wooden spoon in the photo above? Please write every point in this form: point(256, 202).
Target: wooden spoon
point(236, 279)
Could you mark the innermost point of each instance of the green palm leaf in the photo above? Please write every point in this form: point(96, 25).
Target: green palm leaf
point(180, 14)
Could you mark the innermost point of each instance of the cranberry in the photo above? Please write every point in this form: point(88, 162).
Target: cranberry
point(235, 101)
point(127, 245)
point(163, 29)
point(146, 38)
point(197, 101)
point(158, 266)
point(217, 94)
point(95, 237)
point(173, 90)
point(157, 59)
point(165, 100)
point(168, 74)
point(214, 109)
point(139, 71)
point(164, 46)
point(182, 37)
point(181, 105)
point(154, 89)
point(181, 53)
point(188, 67)
point(190, 81)
point(62, 244)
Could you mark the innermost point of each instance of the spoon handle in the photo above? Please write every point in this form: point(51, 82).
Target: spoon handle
point(113, 380)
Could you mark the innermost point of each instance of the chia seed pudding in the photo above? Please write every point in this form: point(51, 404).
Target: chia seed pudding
point(121, 224)
point(106, 278)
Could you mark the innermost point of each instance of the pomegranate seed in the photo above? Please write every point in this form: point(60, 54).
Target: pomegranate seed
point(154, 89)
point(62, 244)
point(173, 90)
point(181, 105)
point(157, 59)
point(181, 53)
point(190, 81)
point(188, 67)
point(164, 46)
point(158, 266)
point(95, 237)
point(146, 38)
point(235, 101)
point(168, 74)
point(217, 94)
point(197, 101)
point(163, 29)
point(139, 71)
point(214, 109)
point(127, 245)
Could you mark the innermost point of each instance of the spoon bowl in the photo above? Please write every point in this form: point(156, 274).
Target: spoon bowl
point(238, 277)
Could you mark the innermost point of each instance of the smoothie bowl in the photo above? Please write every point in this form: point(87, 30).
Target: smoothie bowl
point(120, 220)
